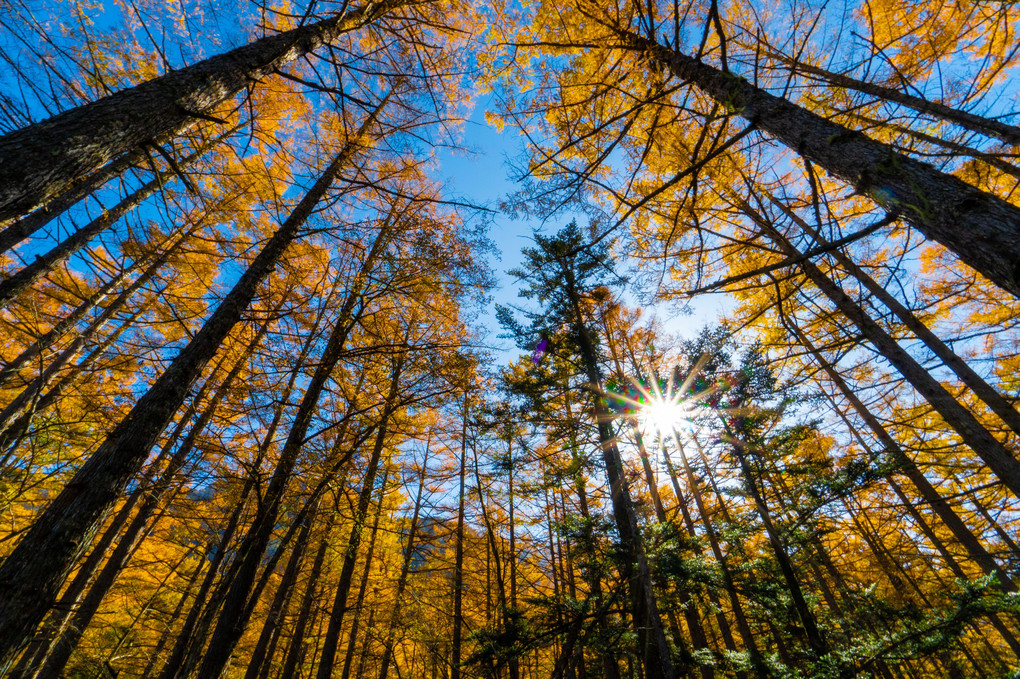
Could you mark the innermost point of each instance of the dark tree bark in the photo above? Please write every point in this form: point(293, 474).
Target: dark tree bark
point(29, 224)
point(42, 161)
point(655, 651)
point(43, 264)
point(928, 493)
point(200, 616)
point(933, 202)
point(989, 127)
point(141, 523)
point(989, 449)
point(359, 600)
point(336, 616)
point(233, 619)
point(30, 577)
point(405, 570)
point(995, 401)
point(458, 564)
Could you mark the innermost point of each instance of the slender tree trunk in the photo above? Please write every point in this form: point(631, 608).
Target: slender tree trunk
point(30, 577)
point(339, 608)
point(928, 493)
point(11, 435)
point(743, 628)
point(934, 202)
point(405, 569)
point(989, 449)
point(43, 160)
point(690, 608)
point(304, 619)
point(656, 655)
point(140, 525)
point(43, 264)
point(721, 621)
point(65, 326)
point(270, 628)
point(989, 127)
point(458, 565)
point(819, 645)
point(984, 391)
point(359, 601)
point(200, 616)
point(31, 661)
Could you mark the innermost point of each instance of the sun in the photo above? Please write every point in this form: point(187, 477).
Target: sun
point(662, 415)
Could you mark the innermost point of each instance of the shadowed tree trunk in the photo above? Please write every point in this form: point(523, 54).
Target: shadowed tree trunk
point(31, 575)
point(43, 160)
point(932, 201)
point(989, 449)
point(43, 264)
point(339, 608)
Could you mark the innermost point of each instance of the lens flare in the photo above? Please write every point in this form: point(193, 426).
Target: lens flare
point(662, 416)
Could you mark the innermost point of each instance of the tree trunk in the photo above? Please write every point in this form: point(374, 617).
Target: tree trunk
point(43, 264)
point(196, 624)
point(405, 569)
point(140, 525)
point(231, 623)
point(274, 617)
point(928, 493)
point(458, 564)
point(339, 609)
point(30, 577)
point(989, 127)
point(984, 391)
point(655, 651)
point(989, 449)
point(29, 224)
point(359, 601)
point(43, 160)
point(932, 201)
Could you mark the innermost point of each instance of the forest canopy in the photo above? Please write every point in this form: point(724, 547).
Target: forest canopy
point(271, 405)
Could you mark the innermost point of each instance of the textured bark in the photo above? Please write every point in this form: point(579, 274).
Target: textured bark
point(986, 392)
point(405, 570)
point(928, 493)
point(41, 161)
point(270, 629)
point(29, 224)
point(68, 605)
point(935, 203)
point(30, 577)
point(65, 325)
point(327, 658)
point(43, 264)
point(655, 651)
point(989, 449)
point(989, 127)
point(200, 616)
point(142, 523)
point(359, 600)
point(232, 621)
